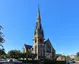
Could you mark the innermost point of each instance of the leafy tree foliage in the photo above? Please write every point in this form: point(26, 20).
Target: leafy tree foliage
point(68, 58)
point(77, 58)
point(2, 53)
point(14, 54)
point(1, 35)
point(77, 53)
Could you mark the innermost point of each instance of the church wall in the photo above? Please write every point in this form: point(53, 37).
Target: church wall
point(48, 55)
point(38, 47)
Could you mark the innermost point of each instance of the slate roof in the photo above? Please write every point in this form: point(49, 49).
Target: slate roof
point(28, 46)
point(46, 41)
point(49, 43)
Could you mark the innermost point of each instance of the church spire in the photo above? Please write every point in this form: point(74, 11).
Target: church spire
point(38, 16)
point(38, 28)
point(38, 37)
point(38, 19)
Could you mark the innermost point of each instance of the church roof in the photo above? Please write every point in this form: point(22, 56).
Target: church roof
point(28, 46)
point(47, 41)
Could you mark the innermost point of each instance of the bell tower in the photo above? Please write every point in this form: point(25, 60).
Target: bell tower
point(39, 38)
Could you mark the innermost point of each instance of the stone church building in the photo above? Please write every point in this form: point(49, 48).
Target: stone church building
point(41, 47)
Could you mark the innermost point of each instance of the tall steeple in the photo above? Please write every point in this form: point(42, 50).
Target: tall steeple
point(38, 37)
point(38, 19)
point(38, 16)
point(38, 28)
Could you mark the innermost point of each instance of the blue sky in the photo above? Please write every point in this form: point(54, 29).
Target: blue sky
point(59, 18)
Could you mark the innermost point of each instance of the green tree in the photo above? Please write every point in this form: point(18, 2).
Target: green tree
point(77, 58)
point(26, 53)
point(14, 54)
point(68, 58)
point(2, 51)
point(77, 53)
point(1, 36)
point(2, 54)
